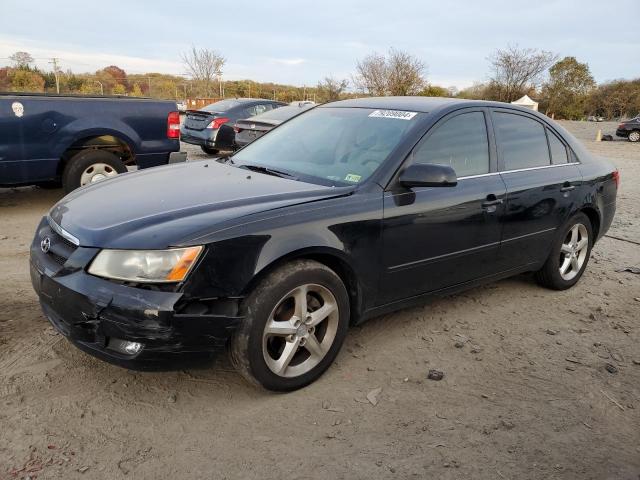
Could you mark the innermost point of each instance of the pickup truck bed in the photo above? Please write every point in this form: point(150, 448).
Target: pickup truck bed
point(52, 139)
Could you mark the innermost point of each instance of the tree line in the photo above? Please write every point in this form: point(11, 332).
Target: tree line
point(564, 88)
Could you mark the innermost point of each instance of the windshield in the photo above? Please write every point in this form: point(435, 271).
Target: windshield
point(331, 146)
point(221, 106)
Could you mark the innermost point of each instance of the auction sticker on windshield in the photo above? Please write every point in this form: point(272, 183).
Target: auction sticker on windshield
point(397, 114)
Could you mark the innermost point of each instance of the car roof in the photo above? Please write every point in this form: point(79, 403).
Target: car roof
point(418, 104)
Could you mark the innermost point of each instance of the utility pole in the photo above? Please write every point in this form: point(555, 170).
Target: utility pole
point(54, 62)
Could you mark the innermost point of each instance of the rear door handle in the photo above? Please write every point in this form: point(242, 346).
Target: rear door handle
point(567, 188)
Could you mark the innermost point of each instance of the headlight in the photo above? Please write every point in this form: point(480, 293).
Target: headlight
point(145, 266)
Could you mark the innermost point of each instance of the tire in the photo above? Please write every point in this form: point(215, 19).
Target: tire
point(209, 150)
point(78, 170)
point(634, 136)
point(260, 355)
point(551, 275)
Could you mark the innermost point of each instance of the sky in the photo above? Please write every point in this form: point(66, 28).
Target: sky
point(301, 42)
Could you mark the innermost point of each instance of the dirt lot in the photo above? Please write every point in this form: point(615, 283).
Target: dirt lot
point(526, 393)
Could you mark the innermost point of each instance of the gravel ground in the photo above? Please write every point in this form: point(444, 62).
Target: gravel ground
point(526, 392)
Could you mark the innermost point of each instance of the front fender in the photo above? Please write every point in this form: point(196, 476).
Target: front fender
point(346, 229)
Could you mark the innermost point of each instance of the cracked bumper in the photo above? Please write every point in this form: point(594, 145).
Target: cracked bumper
point(90, 311)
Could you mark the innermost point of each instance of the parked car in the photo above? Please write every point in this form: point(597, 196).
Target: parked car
point(249, 129)
point(630, 129)
point(351, 210)
point(593, 118)
point(54, 140)
point(212, 126)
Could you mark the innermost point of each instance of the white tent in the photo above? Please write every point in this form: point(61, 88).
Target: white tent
point(526, 102)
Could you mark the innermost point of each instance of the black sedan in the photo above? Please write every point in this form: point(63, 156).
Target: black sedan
point(630, 129)
point(212, 126)
point(276, 252)
point(249, 129)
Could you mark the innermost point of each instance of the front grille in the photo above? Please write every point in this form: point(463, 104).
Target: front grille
point(60, 248)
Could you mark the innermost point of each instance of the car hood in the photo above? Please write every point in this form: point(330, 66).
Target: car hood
point(168, 206)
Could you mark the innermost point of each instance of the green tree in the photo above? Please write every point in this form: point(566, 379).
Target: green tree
point(568, 88)
point(136, 91)
point(26, 81)
point(435, 91)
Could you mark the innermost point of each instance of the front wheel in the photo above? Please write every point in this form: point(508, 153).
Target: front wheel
point(634, 136)
point(569, 254)
point(295, 322)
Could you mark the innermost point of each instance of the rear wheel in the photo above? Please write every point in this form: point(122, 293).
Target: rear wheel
point(634, 136)
point(91, 166)
point(209, 150)
point(569, 254)
point(296, 320)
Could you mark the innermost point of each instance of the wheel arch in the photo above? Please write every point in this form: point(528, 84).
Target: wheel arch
point(335, 259)
point(107, 139)
point(593, 214)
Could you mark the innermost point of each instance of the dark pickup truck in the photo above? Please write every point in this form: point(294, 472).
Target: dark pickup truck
point(54, 140)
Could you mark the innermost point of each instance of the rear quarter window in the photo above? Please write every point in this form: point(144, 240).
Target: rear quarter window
point(557, 148)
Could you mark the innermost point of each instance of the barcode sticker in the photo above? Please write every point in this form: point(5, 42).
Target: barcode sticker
point(397, 114)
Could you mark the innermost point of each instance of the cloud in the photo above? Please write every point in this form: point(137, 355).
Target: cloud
point(79, 60)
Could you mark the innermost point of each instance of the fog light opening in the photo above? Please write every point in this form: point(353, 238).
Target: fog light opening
point(124, 346)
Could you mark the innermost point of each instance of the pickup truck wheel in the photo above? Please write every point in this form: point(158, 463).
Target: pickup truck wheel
point(295, 322)
point(634, 136)
point(209, 150)
point(91, 166)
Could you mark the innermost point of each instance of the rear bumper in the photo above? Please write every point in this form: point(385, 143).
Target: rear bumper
point(94, 313)
point(205, 138)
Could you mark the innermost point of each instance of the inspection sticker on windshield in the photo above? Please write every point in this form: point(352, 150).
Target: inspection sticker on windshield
point(397, 114)
point(352, 177)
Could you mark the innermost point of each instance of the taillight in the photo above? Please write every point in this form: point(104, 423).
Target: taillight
point(622, 125)
point(217, 123)
point(616, 178)
point(237, 129)
point(173, 125)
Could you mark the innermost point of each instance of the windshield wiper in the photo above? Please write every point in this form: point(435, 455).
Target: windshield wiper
point(268, 171)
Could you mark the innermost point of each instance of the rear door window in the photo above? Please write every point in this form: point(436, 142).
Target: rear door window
point(558, 150)
point(521, 140)
point(460, 142)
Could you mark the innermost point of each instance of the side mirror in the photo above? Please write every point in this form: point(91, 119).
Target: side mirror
point(428, 175)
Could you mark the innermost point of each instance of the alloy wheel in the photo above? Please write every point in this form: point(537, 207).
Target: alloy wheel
point(634, 136)
point(573, 252)
point(300, 330)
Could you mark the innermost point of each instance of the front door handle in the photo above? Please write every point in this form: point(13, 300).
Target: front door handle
point(491, 204)
point(568, 188)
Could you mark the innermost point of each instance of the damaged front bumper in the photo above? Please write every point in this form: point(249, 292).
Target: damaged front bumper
point(97, 314)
